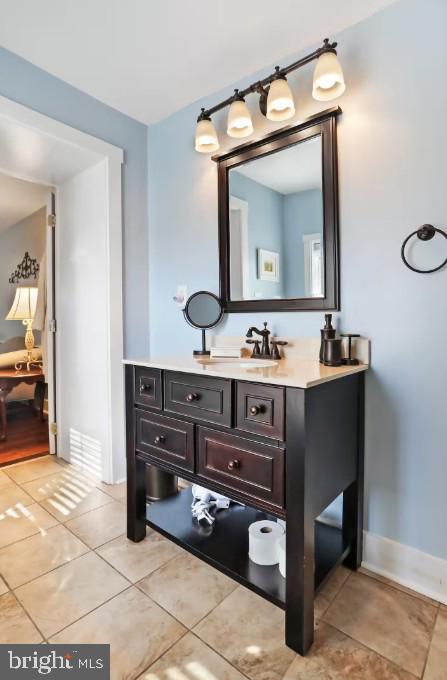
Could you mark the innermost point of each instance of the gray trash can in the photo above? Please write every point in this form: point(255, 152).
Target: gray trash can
point(159, 484)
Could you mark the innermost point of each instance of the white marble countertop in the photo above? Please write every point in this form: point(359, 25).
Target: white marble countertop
point(287, 372)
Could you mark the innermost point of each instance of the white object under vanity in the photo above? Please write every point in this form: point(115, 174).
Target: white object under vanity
point(284, 438)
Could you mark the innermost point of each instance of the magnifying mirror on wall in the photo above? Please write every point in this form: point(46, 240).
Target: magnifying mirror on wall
point(203, 310)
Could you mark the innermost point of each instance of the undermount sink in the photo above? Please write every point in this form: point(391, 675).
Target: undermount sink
point(239, 363)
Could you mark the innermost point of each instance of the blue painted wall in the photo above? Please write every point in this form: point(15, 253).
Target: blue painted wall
point(265, 230)
point(303, 214)
point(25, 83)
point(393, 176)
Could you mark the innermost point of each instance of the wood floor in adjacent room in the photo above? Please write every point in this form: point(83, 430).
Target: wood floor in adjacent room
point(27, 436)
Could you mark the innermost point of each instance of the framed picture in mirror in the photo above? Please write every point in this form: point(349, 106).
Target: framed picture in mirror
point(278, 220)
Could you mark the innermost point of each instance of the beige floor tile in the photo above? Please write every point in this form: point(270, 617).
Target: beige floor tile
point(393, 584)
point(187, 587)
point(117, 491)
point(249, 632)
point(59, 598)
point(26, 560)
point(436, 668)
point(15, 625)
point(136, 560)
point(3, 587)
point(4, 479)
point(329, 591)
point(137, 629)
point(191, 658)
point(334, 656)
point(67, 494)
point(13, 495)
point(40, 467)
point(101, 525)
point(21, 522)
point(390, 622)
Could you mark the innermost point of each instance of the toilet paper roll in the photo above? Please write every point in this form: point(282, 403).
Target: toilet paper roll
point(262, 539)
point(282, 523)
point(281, 554)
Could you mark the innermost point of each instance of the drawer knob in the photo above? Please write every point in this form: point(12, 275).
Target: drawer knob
point(145, 387)
point(191, 397)
point(159, 439)
point(255, 410)
point(234, 465)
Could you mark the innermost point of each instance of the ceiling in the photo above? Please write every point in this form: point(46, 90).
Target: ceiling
point(18, 199)
point(288, 170)
point(149, 59)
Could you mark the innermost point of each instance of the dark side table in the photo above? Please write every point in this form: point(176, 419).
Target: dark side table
point(9, 378)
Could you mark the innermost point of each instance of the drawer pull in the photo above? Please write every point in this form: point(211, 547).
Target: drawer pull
point(145, 387)
point(234, 465)
point(191, 397)
point(255, 410)
point(159, 439)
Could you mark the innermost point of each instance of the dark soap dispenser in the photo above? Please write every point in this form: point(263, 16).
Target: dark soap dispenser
point(327, 333)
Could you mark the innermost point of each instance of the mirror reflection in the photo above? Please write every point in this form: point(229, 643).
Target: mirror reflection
point(276, 225)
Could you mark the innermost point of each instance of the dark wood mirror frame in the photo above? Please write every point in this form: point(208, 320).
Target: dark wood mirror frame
point(323, 124)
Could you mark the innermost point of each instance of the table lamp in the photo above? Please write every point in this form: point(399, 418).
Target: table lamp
point(23, 309)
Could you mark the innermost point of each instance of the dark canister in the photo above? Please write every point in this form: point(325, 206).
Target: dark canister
point(332, 352)
point(327, 333)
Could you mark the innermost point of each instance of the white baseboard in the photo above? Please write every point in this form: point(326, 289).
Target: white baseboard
point(424, 573)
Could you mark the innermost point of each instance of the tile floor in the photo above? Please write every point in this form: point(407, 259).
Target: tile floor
point(68, 574)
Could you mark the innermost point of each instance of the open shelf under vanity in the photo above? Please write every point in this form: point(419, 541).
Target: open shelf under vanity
point(225, 545)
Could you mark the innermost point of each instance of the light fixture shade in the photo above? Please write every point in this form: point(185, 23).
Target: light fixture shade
point(206, 137)
point(328, 78)
point(280, 105)
point(24, 305)
point(239, 120)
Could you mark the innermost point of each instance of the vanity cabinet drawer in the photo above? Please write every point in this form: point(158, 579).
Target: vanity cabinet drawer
point(201, 398)
point(256, 470)
point(166, 439)
point(260, 409)
point(148, 387)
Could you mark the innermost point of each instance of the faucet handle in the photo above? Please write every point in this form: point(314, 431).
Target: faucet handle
point(256, 348)
point(275, 351)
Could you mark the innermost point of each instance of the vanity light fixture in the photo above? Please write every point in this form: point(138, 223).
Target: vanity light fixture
point(239, 118)
point(328, 80)
point(206, 135)
point(275, 97)
point(280, 104)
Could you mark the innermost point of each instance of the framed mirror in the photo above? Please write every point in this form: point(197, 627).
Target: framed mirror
point(278, 225)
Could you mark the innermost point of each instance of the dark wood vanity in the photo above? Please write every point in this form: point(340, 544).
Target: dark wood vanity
point(281, 450)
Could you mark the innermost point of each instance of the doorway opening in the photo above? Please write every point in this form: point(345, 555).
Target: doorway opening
point(82, 330)
point(23, 382)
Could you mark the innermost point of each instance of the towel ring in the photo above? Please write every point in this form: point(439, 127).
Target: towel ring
point(424, 233)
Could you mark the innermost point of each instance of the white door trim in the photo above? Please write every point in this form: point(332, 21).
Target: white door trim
point(49, 126)
point(114, 157)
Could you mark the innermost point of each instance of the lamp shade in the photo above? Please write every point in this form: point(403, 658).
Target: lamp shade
point(206, 137)
point(328, 82)
point(280, 105)
point(239, 120)
point(24, 305)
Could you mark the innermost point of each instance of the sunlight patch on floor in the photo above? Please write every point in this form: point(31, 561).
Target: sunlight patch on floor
point(194, 670)
point(19, 511)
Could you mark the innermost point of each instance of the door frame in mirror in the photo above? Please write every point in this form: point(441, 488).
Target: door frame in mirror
point(324, 124)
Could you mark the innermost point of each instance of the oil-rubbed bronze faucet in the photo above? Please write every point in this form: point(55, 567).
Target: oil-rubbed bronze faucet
point(264, 352)
point(265, 349)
